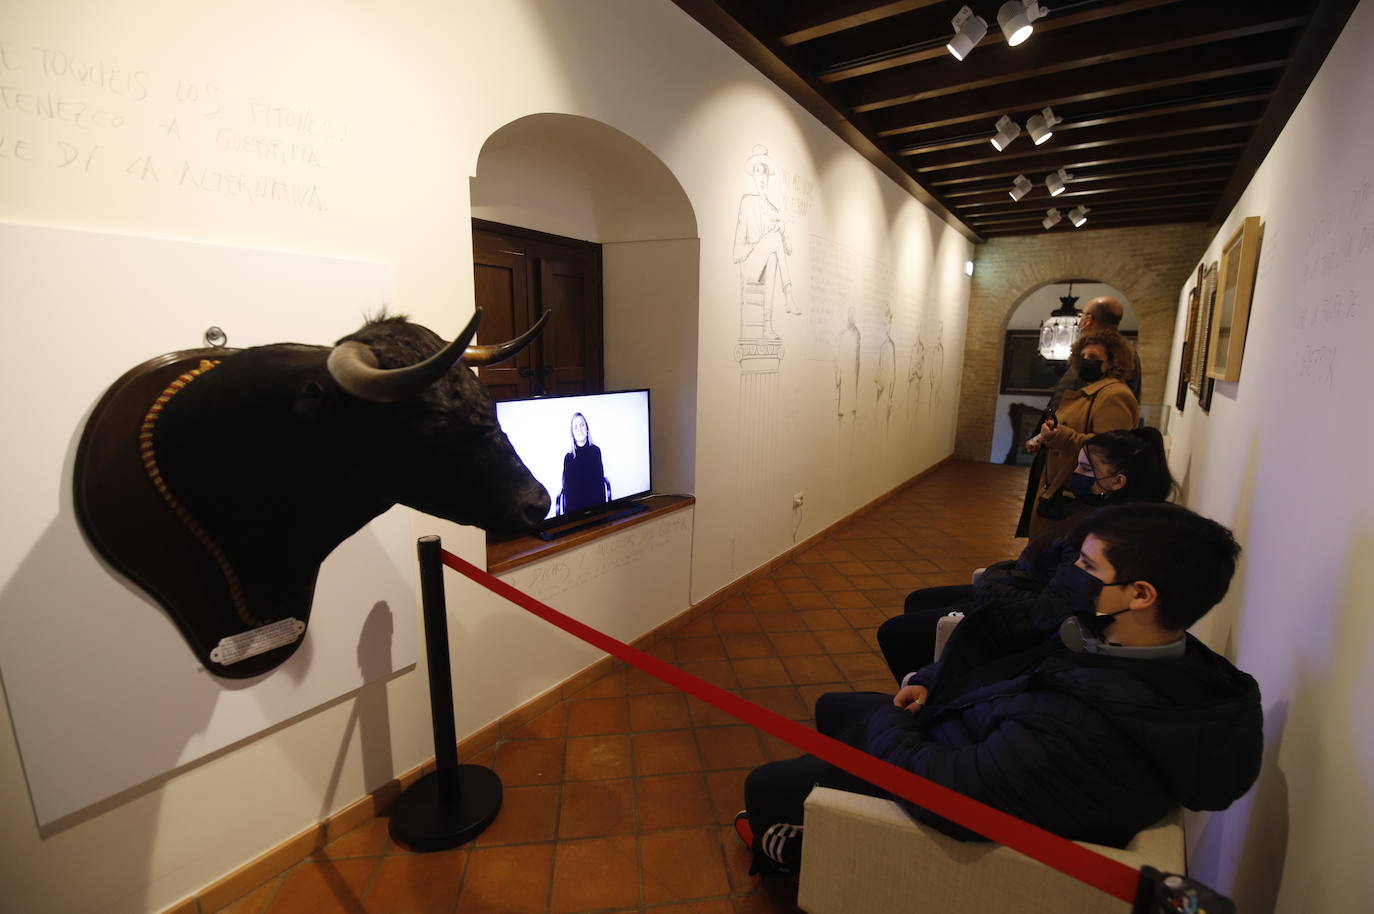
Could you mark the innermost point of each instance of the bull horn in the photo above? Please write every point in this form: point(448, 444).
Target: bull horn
point(353, 366)
point(489, 355)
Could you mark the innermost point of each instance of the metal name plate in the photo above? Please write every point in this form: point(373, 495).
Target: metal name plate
point(255, 641)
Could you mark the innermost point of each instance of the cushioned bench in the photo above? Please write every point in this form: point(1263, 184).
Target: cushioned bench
point(864, 854)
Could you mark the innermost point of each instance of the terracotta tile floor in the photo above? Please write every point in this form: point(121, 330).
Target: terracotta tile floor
point(621, 798)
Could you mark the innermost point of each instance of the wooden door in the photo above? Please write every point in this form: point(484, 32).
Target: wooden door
point(501, 284)
point(571, 347)
point(518, 275)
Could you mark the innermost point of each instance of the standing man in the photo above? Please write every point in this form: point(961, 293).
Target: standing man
point(1101, 313)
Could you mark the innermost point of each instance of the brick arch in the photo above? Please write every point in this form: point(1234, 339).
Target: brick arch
point(1149, 265)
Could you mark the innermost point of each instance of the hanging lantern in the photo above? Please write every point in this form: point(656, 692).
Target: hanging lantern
point(1059, 331)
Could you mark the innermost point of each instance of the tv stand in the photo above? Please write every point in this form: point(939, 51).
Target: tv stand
point(509, 554)
point(622, 512)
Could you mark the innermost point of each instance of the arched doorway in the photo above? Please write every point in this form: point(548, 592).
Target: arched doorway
point(1023, 375)
point(579, 178)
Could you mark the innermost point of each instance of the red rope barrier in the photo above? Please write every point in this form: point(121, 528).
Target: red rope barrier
point(1111, 876)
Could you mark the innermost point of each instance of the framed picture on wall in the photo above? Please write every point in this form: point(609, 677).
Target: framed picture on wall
point(1198, 381)
point(1024, 370)
point(1235, 287)
point(1185, 361)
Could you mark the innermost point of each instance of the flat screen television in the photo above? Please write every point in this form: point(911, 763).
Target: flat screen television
point(590, 451)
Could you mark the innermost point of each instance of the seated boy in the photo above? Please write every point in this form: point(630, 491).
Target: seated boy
point(1090, 713)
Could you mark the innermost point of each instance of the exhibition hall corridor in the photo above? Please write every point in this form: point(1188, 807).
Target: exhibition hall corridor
point(621, 798)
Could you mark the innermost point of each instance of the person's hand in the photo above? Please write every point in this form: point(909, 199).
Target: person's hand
point(1032, 444)
point(912, 698)
point(1048, 428)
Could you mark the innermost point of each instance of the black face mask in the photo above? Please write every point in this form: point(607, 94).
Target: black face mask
point(1082, 488)
point(1090, 369)
point(1082, 589)
point(1098, 625)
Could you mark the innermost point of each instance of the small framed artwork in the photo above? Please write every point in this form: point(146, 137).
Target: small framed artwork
point(1198, 380)
point(1185, 361)
point(1235, 287)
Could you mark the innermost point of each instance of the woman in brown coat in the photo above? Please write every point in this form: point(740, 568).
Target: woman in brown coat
point(1103, 359)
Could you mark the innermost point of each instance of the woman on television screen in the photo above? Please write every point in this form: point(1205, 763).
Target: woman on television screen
point(584, 478)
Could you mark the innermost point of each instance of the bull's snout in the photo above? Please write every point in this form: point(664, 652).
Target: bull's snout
point(527, 507)
point(536, 506)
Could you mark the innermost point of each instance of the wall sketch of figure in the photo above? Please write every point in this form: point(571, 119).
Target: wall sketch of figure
point(761, 251)
point(936, 374)
point(847, 371)
point(915, 375)
point(886, 378)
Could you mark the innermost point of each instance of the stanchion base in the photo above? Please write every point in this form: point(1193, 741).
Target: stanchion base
point(420, 821)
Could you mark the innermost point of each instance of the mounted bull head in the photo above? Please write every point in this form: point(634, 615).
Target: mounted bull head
point(219, 480)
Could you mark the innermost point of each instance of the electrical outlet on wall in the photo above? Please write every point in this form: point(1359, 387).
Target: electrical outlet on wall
point(798, 499)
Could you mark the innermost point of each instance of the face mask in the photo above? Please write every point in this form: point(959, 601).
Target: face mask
point(1098, 624)
point(1082, 590)
point(1090, 369)
point(1082, 488)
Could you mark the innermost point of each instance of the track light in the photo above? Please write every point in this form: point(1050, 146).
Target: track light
point(1052, 217)
point(1020, 186)
point(1054, 181)
point(1078, 215)
point(1007, 130)
point(968, 31)
point(1041, 126)
point(1015, 18)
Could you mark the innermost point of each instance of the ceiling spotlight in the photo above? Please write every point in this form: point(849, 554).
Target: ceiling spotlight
point(1015, 18)
point(1020, 187)
point(1041, 126)
point(968, 31)
point(1052, 217)
point(1078, 215)
point(1007, 130)
point(1054, 181)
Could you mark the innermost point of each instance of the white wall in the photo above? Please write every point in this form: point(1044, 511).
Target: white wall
point(1028, 316)
point(352, 130)
point(1281, 458)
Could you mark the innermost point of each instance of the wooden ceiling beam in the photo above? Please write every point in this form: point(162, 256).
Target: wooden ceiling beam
point(1115, 42)
point(1073, 123)
point(1203, 200)
point(1172, 148)
point(1149, 177)
point(865, 51)
point(1197, 124)
point(990, 201)
point(1139, 212)
point(1164, 219)
point(1176, 68)
point(804, 22)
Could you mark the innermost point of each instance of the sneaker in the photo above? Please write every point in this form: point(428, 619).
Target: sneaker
point(761, 864)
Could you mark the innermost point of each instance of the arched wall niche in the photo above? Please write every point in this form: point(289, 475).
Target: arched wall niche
point(1032, 308)
point(581, 178)
point(1147, 265)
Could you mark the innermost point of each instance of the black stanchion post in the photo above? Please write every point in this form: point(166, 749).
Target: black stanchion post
point(454, 803)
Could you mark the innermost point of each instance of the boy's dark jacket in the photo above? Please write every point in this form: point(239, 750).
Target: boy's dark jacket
point(1090, 746)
